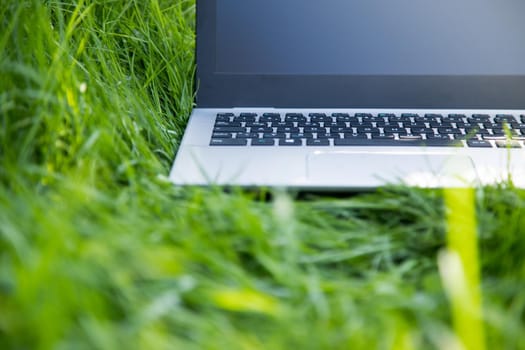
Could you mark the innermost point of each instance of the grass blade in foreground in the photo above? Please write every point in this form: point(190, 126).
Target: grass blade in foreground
point(460, 270)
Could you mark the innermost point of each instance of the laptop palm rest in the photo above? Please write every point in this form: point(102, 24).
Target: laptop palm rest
point(368, 169)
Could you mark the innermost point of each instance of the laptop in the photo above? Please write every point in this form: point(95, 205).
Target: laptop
point(356, 94)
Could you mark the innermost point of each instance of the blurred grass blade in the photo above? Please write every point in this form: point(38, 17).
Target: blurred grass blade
point(459, 267)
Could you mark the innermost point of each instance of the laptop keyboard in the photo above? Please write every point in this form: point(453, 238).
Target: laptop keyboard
point(364, 129)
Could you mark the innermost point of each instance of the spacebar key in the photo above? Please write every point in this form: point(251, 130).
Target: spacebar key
point(401, 143)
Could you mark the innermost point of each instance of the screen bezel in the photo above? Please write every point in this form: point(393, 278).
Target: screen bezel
point(223, 90)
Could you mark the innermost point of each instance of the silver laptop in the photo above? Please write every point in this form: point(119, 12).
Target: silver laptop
point(356, 94)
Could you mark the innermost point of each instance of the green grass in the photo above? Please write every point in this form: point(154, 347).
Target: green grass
point(98, 250)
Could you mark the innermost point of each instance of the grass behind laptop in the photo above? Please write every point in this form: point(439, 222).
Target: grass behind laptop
point(98, 250)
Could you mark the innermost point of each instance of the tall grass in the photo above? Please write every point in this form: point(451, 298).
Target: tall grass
point(98, 250)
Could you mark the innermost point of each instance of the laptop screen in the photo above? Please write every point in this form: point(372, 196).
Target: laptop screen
point(371, 37)
point(361, 53)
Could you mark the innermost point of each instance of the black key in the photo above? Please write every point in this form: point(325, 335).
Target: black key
point(270, 120)
point(468, 125)
point(522, 118)
point(402, 119)
point(428, 118)
point(371, 130)
point(290, 142)
point(228, 142)
point(449, 131)
point(382, 136)
point(354, 136)
point(438, 137)
point(301, 135)
point(261, 129)
point(455, 118)
point(479, 118)
point(263, 142)
point(228, 129)
point(314, 129)
point(246, 135)
point(390, 142)
point(270, 117)
point(409, 115)
point(505, 124)
point(244, 119)
point(318, 142)
point(222, 135)
point(363, 115)
point(387, 124)
point(254, 124)
point(335, 124)
point(508, 144)
point(282, 124)
point(498, 131)
point(221, 118)
point(419, 130)
point(321, 118)
point(341, 129)
point(504, 118)
point(274, 135)
point(327, 135)
point(362, 124)
point(295, 117)
point(478, 143)
point(372, 119)
point(511, 132)
point(414, 124)
point(342, 117)
point(386, 115)
point(288, 129)
point(441, 124)
point(490, 125)
point(224, 115)
point(308, 124)
point(224, 123)
point(479, 131)
point(248, 115)
point(394, 129)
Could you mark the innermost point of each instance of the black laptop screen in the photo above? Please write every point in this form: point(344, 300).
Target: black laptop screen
point(361, 53)
point(370, 37)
